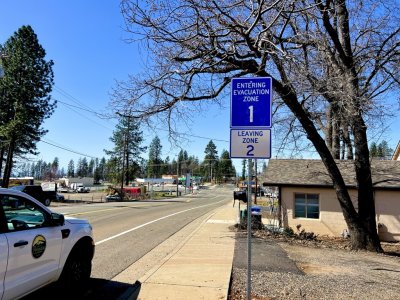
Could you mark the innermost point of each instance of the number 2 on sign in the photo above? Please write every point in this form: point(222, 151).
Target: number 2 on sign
point(251, 149)
point(251, 113)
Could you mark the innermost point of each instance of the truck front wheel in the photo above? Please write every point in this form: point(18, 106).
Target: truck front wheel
point(47, 202)
point(76, 272)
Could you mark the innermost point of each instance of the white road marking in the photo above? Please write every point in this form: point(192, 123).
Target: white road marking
point(154, 221)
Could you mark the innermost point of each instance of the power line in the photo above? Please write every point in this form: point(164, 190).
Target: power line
point(71, 107)
point(82, 108)
point(69, 150)
point(72, 98)
point(85, 108)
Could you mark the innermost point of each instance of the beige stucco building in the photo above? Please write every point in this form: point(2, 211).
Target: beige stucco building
point(308, 199)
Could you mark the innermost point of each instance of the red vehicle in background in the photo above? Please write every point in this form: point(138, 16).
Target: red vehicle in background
point(132, 192)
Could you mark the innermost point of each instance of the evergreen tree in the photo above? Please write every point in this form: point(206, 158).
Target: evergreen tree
point(84, 167)
point(155, 162)
point(174, 167)
point(243, 169)
point(226, 170)
point(102, 168)
point(25, 100)
point(54, 167)
point(211, 156)
point(125, 156)
point(167, 168)
point(62, 172)
point(381, 151)
point(373, 151)
point(79, 170)
point(71, 169)
point(180, 161)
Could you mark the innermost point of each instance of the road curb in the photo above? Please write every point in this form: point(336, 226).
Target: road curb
point(133, 292)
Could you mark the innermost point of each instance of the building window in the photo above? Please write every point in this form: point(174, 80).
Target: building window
point(306, 206)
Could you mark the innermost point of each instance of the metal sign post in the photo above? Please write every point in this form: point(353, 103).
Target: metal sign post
point(249, 231)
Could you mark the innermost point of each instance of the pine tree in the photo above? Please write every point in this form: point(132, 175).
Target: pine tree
point(226, 169)
point(91, 168)
point(127, 139)
point(211, 157)
point(71, 169)
point(243, 169)
point(25, 100)
point(155, 161)
point(54, 167)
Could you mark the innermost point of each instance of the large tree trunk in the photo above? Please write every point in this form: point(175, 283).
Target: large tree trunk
point(2, 151)
point(335, 124)
point(347, 142)
point(329, 127)
point(362, 225)
point(127, 177)
point(9, 163)
point(366, 203)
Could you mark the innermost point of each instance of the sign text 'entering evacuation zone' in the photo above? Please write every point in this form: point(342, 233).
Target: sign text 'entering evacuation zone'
point(251, 102)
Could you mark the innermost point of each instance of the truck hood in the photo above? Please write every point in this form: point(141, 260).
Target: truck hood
point(72, 220)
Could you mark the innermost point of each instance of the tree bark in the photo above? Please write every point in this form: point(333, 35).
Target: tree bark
point(366, 201)
point(347, 142)
point(336, 135)
point(329, 129)
point(362, 226)
point(9, 163)
point(2, 151)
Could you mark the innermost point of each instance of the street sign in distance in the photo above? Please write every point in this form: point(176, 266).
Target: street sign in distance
point(250, 143)
point(251, 100)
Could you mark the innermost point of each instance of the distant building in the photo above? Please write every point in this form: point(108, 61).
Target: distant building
point(68, 181)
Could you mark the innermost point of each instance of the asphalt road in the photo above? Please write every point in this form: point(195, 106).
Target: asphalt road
point(126, 231)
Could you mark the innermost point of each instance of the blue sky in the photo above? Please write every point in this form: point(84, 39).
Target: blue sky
point(85, 39)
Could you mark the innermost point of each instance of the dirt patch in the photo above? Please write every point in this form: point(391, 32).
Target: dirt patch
point(319, 269)
point(331, 271)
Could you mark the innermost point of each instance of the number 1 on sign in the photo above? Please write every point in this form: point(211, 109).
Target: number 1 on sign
point(251, 113)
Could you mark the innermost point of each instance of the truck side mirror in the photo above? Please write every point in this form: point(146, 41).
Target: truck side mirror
point(57, 219)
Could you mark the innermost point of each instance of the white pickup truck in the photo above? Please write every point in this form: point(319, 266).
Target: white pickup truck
point(80, 188)
point(38, 247)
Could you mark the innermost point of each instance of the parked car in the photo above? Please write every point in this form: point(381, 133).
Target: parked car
point(83, 189)
point(39, 247)
point(79, 187)
point(113, 198)
point(63, 189)
point(37, 192)
point(60, 198)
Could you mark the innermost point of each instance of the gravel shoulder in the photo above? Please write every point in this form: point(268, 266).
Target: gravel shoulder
point(326, 269)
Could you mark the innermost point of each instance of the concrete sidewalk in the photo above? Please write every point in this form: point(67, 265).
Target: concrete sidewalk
point(200, 268)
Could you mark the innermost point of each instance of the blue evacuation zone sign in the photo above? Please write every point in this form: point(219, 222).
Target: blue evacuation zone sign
point(251, 100)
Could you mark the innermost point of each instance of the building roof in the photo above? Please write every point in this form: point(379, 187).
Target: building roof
point(396, 153)
point(312, 172)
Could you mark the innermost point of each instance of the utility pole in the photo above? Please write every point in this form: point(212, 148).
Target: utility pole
point(123, 165)
point(177, 176)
